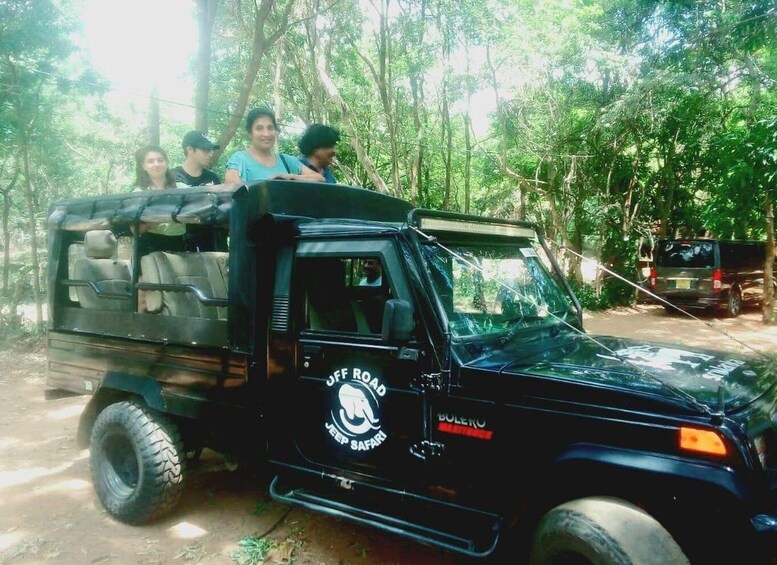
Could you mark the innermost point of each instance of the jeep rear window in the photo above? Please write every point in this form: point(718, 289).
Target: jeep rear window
point(691, 254)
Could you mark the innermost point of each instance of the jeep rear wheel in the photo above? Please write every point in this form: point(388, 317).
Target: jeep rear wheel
point(603, 530)
point(136, 460)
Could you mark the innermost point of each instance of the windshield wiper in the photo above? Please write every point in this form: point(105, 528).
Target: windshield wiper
point(516, 327)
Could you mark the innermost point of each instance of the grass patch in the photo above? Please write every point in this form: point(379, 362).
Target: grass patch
point(253, 550)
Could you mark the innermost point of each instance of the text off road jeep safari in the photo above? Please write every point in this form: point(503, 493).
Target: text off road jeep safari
point(453, 398)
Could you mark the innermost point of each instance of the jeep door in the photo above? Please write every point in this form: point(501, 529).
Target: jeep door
point(356, 391)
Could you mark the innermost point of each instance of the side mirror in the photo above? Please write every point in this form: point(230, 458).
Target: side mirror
point(398, 323)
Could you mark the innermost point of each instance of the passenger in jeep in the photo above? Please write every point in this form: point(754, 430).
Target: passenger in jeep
point(152, 169)
point(317, 146)
point(261, 160)
point(373, 273)
point(198, 153)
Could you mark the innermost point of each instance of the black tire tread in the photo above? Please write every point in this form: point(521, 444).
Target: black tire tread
point(162, 464)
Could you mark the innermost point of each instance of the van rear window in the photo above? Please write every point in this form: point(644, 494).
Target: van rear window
point(692, 254)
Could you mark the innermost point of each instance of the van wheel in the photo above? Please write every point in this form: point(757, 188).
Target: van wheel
point(734, 302)
point(603, 530)
point(136, 458)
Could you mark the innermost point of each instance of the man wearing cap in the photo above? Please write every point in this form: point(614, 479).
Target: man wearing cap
point(199, 153)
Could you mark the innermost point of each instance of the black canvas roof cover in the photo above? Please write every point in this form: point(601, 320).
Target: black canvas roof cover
point(212, 205)
point(317, 200)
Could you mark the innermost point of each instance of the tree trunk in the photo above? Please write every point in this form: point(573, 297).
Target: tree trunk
point(353, 136)
point(206, 16)
point(6, 242)
point(520, 180)
point(557, 223)
point(384, 79)
point(769, 306)
point(575, 262)
point(416, 87)
point(468, 131)
point(670, 184)
point(383, 82)
point(260, 45)
point(467, 162)
point(416, 77)
point(29, 197)
point(153, 116)
point(447, 137)
point(276, 83)
point(447, 144)
point(6, 231)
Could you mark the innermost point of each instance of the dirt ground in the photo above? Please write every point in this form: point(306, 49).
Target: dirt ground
point(50, 514)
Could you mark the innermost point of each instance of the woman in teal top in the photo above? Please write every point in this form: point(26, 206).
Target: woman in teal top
point(260, 160)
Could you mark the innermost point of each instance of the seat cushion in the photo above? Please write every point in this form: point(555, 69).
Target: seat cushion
point(109, 276)
point(205, 271)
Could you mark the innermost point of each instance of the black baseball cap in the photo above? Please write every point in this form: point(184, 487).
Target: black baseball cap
point(198, 140)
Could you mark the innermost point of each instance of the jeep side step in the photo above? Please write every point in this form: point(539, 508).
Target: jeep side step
point(441, 524)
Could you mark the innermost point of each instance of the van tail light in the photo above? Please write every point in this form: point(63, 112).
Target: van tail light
point(717, 280)
point(653, 276)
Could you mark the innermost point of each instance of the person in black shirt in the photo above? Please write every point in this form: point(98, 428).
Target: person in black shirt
point(199, 153)
point(317, 146)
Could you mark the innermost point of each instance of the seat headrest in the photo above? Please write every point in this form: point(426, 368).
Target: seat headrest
point(100, 244)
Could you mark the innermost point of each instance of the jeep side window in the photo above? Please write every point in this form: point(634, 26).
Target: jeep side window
point(342, 294)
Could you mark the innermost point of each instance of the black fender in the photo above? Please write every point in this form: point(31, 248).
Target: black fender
point(115, 387)
point(665, 468)
point(695, 500)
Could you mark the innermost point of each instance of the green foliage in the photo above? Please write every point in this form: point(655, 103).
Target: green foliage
point(15, 329)
point(253, 550)
point(587, 296)
point(615, 116)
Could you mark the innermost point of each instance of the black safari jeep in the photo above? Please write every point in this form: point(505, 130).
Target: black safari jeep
point(422, 372)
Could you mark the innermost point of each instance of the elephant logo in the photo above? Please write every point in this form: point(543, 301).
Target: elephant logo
point(354, 417)
point(356, 414)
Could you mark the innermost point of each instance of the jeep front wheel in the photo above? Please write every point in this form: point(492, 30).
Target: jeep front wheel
point(603, 530)
point(137, 463)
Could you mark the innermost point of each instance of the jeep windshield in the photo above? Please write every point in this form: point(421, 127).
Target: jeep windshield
point(491, 289)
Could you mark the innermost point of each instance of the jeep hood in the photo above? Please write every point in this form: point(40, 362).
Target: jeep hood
point(641, 367)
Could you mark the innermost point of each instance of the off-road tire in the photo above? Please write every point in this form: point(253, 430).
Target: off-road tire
point(734, 305)
point(137, 462)
point(605, 531)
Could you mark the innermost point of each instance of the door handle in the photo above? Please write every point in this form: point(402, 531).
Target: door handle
point(408, 354)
